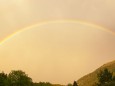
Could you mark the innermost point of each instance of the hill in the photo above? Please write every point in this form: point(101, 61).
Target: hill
point(90, 79)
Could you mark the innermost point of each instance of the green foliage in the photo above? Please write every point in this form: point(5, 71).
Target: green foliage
point(42, 84)
point(19, 78)
point(3, 79)
point(105, 78)
point(69, 84)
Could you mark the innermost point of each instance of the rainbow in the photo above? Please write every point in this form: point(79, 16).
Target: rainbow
point(57, 21)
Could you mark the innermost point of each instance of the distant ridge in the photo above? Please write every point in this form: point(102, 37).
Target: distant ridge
point(90, 79)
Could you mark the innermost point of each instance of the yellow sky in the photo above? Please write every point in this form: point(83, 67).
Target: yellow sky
point(16, 14)
point(56, 52)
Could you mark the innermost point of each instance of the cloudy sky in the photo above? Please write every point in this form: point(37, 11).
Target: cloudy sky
point(17, 14)
point(61, 51)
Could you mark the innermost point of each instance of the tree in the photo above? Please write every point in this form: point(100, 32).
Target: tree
point(3, 79)
point(69, 84)
point(19, 78)
point(105, 78)
point(75, 83)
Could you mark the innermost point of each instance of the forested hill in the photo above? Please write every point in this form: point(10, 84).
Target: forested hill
point(90, 79)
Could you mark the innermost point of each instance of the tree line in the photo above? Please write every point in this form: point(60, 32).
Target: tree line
point(20, 78)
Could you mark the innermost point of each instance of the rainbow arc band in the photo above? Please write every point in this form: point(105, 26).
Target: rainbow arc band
point(57, 21)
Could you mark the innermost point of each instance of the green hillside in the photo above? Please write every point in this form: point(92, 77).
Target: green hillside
point(91, 78)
